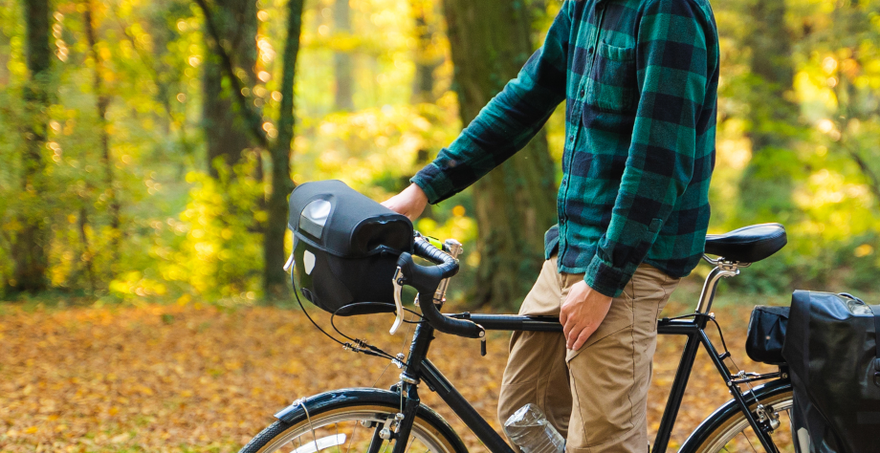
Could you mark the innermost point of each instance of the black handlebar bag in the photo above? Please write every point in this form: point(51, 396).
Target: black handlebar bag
point(346, 247)
point(833, 355)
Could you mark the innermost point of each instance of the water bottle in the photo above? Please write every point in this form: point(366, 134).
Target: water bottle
point(530, 430)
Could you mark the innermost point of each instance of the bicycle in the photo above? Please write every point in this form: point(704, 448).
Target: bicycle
point(373, 420)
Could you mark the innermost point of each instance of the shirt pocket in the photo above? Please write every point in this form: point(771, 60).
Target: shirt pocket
point(612, 83)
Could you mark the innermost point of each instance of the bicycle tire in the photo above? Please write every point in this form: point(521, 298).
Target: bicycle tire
point(344, 421)
point(727, 429)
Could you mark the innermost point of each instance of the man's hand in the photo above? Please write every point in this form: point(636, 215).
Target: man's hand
point(581, 313)
point(410, 202)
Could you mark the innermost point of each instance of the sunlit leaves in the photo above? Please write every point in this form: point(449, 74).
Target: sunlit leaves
point(191, 378)
point(219, 253)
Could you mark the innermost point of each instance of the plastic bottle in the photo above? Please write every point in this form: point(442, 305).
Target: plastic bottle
point(530, 430)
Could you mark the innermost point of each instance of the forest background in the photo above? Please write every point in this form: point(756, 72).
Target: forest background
point(149, 146)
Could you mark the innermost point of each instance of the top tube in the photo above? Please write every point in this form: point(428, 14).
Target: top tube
point(513, 322)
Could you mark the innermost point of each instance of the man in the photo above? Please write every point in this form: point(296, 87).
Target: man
point(639, 78)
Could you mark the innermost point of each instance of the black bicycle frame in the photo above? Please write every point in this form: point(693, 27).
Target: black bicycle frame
point(419, 368)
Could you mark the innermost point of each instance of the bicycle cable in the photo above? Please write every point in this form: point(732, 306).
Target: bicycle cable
point(727, 354)
point(296, 293)
point(711, 318)
point(362, 346)
point(359, 346)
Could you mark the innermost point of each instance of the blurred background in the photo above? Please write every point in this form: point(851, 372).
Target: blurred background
point(148, 146)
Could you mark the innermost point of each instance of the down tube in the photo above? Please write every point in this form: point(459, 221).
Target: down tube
point(438, 383)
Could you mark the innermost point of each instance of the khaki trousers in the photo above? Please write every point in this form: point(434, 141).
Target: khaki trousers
point(596, 396)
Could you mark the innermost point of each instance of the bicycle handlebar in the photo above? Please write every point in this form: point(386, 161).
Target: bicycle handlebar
point(426, 279)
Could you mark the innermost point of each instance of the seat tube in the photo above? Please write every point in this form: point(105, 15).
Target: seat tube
point(723, 269)
point(676, 394)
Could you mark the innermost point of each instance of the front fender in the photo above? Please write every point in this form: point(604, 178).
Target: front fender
point(335, 399)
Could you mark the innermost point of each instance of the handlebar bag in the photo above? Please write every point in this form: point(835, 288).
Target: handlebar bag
point(766, 334)
point(346, 247)
point(833, 355)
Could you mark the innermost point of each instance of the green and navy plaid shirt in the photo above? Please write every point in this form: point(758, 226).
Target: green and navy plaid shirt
point(639, 78)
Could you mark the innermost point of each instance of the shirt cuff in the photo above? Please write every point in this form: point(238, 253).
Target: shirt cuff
point(606, 279)
point(433, 182)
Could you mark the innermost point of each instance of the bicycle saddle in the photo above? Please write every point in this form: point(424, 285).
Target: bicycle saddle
point(747, 244)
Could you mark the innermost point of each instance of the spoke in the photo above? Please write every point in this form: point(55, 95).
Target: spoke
point(750, 443)
point(409, 444)
point(350, 441)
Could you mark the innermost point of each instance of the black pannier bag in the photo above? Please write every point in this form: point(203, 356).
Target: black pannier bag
point(766, 334)
point(833, 356)
point(346, 247)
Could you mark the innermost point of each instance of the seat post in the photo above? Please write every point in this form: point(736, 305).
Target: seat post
point(723, 269)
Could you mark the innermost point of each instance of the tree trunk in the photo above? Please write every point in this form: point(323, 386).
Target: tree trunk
point(226, 131)
point(342, 64)
point(427, 57)
point(102, 101)
point(490, 41)
point(765, 191)
point(29, 250)
point(274, 278)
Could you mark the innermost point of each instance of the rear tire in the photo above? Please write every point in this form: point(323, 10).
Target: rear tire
point(728, 430)
point(347, 421)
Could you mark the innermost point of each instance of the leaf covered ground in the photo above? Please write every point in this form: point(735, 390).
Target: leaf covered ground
point(172, 378)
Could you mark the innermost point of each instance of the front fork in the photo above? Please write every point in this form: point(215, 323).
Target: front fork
point(410, 396)
point(398, 427)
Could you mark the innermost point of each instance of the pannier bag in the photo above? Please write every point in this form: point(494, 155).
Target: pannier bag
point(766, 334)
point(346, 247)
point(834, 360)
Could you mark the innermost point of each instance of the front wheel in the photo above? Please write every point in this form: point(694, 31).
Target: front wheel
point(352, 420)
point(727, 430)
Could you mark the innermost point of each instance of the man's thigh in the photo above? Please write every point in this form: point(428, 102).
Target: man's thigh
point(536, 371)
point(611, 373)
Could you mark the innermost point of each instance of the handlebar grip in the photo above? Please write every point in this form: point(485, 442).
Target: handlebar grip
point(425, 279)
point(447, 265)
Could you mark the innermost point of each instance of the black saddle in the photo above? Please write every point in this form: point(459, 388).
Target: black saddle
point(747, 244)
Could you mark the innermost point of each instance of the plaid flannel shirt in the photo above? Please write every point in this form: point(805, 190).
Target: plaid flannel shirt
point(639, 78)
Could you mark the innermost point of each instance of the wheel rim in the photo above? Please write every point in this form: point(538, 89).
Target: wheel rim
point(736, 435)
point(349, 430)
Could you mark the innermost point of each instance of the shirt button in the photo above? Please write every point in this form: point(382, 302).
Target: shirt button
point(582, 93)
point(570, 138)
point(590, 50)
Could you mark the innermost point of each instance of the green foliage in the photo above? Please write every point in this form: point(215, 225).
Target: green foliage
point(215, 252)
point(822, 184)
point(183, 234)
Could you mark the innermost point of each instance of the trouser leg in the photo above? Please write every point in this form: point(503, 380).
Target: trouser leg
point(536, 371)
point(611, 373)
point(603, 386)
point(535, 374)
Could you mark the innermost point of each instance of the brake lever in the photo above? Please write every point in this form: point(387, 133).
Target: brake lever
point(398, 290)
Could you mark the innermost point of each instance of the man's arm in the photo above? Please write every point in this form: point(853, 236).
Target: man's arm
point(507, 123)
point(673, 69)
